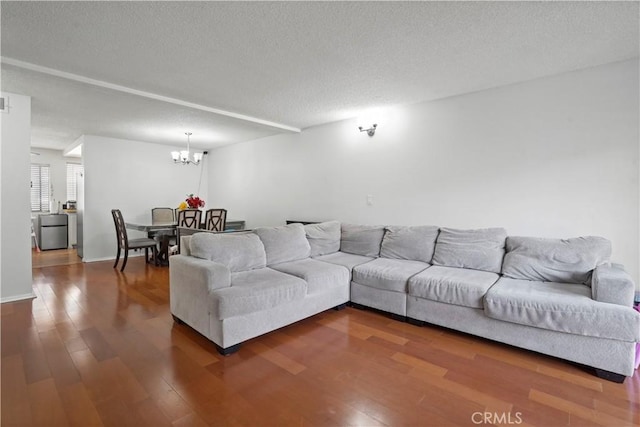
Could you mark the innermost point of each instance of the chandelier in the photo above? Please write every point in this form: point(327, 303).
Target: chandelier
point(184, 156)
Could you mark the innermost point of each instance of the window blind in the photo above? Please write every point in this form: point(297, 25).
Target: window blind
point(40, 185)
point(73, 169)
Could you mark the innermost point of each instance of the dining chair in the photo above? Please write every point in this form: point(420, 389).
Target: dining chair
point(215, 219)
point(162, 216)
point(125, 244)
point(189, 218)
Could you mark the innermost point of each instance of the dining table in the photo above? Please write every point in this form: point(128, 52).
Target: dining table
point(162, 232)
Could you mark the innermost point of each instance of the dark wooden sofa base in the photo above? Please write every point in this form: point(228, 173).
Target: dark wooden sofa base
point(340, 307)
point(227, 351)
point(600, 373)
point(610, 376)
point(223, 351)
point(394, 316)
point(232, 349)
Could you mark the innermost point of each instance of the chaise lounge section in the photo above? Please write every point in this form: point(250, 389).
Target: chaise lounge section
point(559, 297)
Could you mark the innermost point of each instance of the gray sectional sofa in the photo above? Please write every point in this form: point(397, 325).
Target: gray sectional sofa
point(559, 297)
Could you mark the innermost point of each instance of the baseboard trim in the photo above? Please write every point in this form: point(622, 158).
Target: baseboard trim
point(112, 258)
point(18, 298)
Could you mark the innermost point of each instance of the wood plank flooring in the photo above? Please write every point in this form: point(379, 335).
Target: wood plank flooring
point(99, 348)
point(54, 257)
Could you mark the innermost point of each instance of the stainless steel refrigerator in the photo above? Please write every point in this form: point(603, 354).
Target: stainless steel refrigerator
point(53, 231)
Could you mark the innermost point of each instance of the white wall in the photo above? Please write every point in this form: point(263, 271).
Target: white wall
point(553, 157)
point(131, 176)
point(15, 209)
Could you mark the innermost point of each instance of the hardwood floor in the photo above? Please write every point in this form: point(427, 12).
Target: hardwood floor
point(54, 257)
point(99, 348)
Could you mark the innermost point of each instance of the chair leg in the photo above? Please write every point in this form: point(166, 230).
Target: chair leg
point(155, 256)
point(146, 255)
point(117, 257)
point(126, 255)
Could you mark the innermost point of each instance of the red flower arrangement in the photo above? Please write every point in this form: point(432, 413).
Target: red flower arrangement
point(194, 202)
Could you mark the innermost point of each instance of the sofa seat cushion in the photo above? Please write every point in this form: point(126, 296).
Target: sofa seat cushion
point(555, 260)
point(478, 249)
point(387, 274)
point(450, 285)
point(344, 259)
point(563, 307)
point(324, 237)
point(415, 243)
point(257, 290)
point(319, 275)
point(285, 243)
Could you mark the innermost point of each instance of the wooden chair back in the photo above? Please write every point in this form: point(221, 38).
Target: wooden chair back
point(215, 219)
point(121, 230)
point(190, 218)
point(124, 244)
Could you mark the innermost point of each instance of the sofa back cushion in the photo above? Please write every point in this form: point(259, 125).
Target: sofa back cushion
point(415, 243)
point(480, 249)
point(238, 251)
point(555, 260)
point(362, 240)
point(324, 238)
point(285, 243)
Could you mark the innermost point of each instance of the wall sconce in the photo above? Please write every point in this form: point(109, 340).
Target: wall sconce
point(371, 131)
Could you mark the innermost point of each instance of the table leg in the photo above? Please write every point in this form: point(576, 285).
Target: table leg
point(163, 250)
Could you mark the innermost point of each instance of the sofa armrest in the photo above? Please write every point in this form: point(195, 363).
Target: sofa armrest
point(198, 273)
point(191, 281)
point(185, 249)
point(611, 284)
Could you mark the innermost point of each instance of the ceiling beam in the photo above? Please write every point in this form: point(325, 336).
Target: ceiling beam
point(119, 88)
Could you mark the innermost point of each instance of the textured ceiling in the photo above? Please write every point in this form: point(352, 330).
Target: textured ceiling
point(296, 63)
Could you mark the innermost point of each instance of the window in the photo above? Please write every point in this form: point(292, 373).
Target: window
point(40, 188)
point(73, 169)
